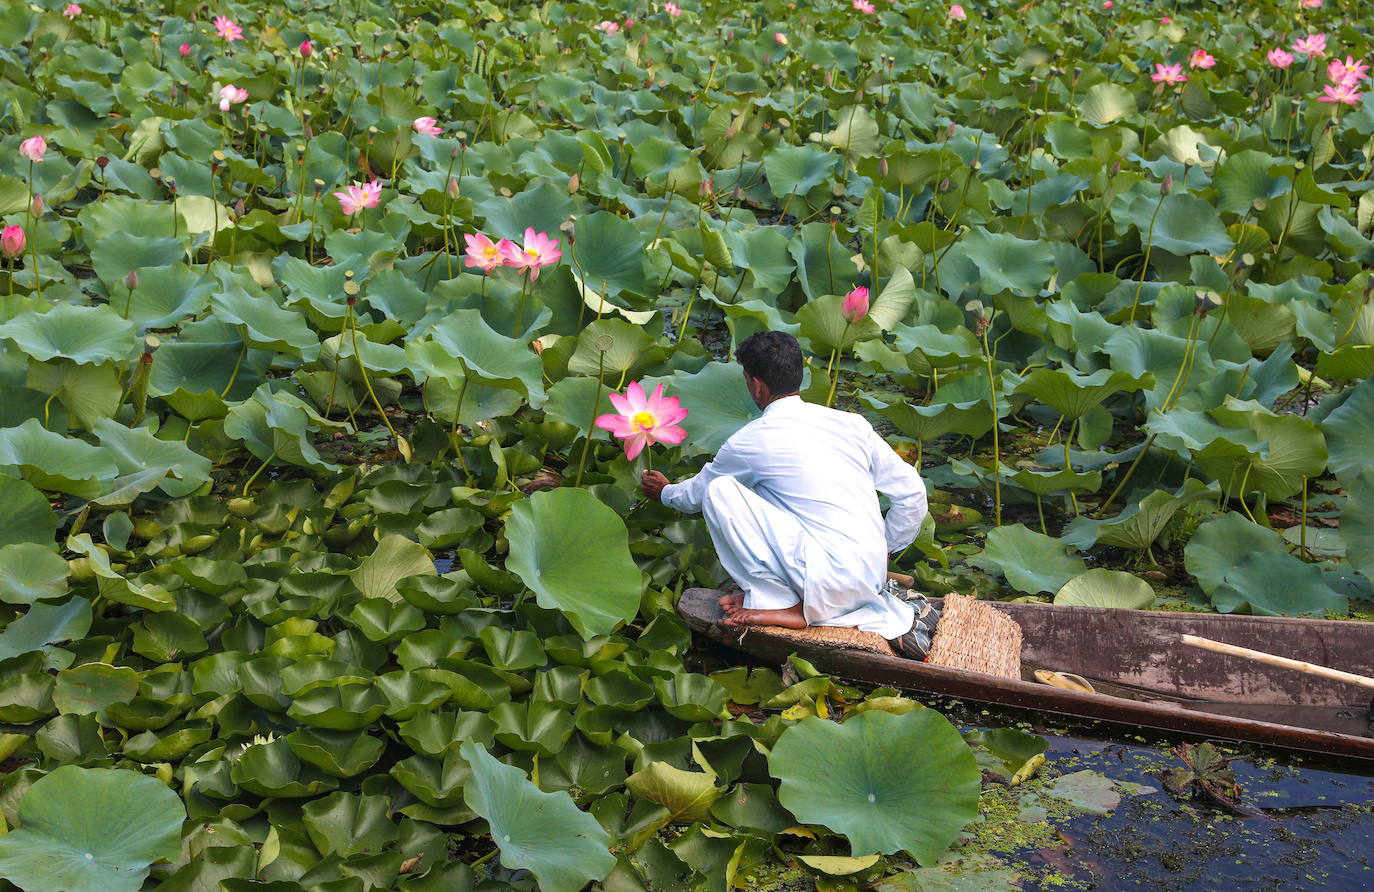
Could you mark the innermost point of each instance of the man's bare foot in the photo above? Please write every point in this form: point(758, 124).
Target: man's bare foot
point(733, 602)
point(789, 618)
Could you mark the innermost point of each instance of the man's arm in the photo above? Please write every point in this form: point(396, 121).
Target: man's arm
point(902, 484)
point(689, 495)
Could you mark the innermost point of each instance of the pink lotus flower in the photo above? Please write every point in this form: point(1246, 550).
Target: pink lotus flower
point(1344, 92)
point(1311, 4)
point(1313, 45)
point(306, 49)
point(608, 27)
point(643, 421)
point(482, 253)
point(672, 9)
point(427, 126)
point(12, 241)
point(1168, 74)
point(855, 305)
point(184, 50)
point(956, 12)
point(1107, 4)
point(1351, 71)
point(1201, 59)
point(537, 251)
point(72, 11)
point(780, 38)
point(1165, 20)
point(1280, 58)
point(34, 148)
point(864, 7)
point(231, 95)
point(358, 197)
point(225, 27)
point(629, 23)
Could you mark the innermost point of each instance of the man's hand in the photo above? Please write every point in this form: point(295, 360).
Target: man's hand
point(653, 482)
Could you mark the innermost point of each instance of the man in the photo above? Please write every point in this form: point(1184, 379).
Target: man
point(791, 506)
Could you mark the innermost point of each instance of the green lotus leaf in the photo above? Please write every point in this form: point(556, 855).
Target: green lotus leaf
point(145, 462)
point(1107, 102)
point(347, 706)
point(408, 694)
point(91, 687)
point(512, 651)
point(91, 830)
point(116, 587)
point(926, 423)
point(1031, 561)
point(89, 392)
point(1271, 584)
point(1218, 546)
point(1141, 522)
point(164, 297)
point(823, 264)
point(543, 205)
point(561, 685)
point(45, 625)
point(691, 697)
point(840, 776)
point(336, 753)
point(260, 321)
point(83, 335)
point(687, 795)
point(573, 552)
point(1007, 263)
point(451, 593)
point(1042, 483)
point(1183, 224)
point(1074, 394)
point(72, 740)
point(1357, 523)
point(619, 688)
point(1006, 751)
point(31, 572)
point(856, 132)
point(435, 733)
point(1291, 450)
point(276, 426)
point(609, 253)
point(384, 621)
point(583, 766)
point(48, 460)
point(1244, 178)
point(346, 824)
point(168, 744)
point(539, 727)
point(798, 169)
point(1106, 588)
point(394, 559)
point(437, 782)
point(544, 833)
point(487, 356)
point(27, 518)
point(719, 404)
point(272, 769)
point(753, 807)
point(629, 349)
point(1348, 431)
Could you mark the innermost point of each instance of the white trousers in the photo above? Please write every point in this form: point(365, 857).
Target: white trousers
point(761, 546)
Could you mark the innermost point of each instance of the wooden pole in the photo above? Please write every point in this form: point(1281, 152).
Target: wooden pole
point(1260, 656)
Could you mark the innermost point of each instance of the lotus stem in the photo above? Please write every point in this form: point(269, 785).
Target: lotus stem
point(224, 394)
point(1302, 528)
point(996, 437)
point(362, 369)
point(1145, 264)
point(260, 469)
point(591, 423)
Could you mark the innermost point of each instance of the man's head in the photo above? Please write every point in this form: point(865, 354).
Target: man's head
point(772, 363)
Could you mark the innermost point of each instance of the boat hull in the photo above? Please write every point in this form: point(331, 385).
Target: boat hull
point(1162, 684)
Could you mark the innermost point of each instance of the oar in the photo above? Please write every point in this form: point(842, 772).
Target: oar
point(1260, 656)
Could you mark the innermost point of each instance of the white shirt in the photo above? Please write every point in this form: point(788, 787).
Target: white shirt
point(825, 468)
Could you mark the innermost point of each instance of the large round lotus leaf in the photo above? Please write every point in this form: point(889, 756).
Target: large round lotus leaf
point(544, 833)
point(1106, 102)
point(1291, 449)
point(1272, 584)
point(1031, 561)
point(394, 559)
point(91, 687)
point(27, 516)
point(1007, 263)
point(925, 423)
point(1349, 431)
point(719, 404)
point(573, 552)
point(1357, 523)
point(487, 355)
point(824, 326)
point(609, 251)
point(1244, 177)
point(51, 461)
point(83, 335)
point(888, 782)
point(31, 572)
point(91, 830)
point(1106, 588)
point(798, 168)
point(1184, 224)
point(1219, 546)
point(1074, 394)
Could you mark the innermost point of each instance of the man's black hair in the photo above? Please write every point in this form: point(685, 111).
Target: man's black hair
point(775, 358)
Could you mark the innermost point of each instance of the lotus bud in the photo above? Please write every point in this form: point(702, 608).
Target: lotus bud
point(131, 280)
point(36, 206)
point(102, 162)
point(453, 188)
point(574, 183)
point(184, 50)
point(241, 507)
point(855, 305)
point(945, 185)
point(12, 241)
point(1167, 186)
point(951, 130)
point(239, 208)
point(306, 49)
point(1115, 168)
point(882, 167)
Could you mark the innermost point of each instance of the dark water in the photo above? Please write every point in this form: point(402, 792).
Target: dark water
point(1318, 832)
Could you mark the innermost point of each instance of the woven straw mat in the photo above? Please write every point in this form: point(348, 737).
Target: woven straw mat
point(834, 637)
point(975, 636)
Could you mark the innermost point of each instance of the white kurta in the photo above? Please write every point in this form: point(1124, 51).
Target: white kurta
point(791, 503)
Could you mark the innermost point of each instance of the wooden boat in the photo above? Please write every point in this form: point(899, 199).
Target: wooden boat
point(1144, 677)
